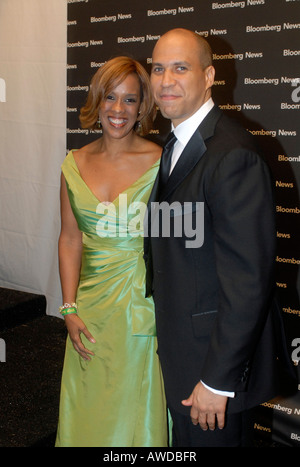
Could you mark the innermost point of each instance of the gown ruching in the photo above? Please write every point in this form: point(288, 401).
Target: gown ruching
point(117, 398)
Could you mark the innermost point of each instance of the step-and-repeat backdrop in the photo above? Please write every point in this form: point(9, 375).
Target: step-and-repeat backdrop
point(256, 56)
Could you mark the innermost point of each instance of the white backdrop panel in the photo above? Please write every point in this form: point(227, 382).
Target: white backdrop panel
point(32, 143)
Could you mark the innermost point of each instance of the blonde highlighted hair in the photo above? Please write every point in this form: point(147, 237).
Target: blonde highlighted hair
point(108, 77)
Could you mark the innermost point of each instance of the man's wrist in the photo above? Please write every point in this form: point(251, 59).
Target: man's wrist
point(217, 391)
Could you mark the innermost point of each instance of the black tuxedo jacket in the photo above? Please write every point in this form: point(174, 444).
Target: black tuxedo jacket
point(214, 297)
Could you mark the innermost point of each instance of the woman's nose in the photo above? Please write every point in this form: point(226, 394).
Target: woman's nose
point(118, 105)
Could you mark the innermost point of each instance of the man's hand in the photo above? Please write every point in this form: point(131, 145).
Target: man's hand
point(207, 408)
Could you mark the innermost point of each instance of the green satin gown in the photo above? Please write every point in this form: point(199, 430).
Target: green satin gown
point(117, 399)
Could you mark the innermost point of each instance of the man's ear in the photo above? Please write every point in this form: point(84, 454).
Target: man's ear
point(210, 76)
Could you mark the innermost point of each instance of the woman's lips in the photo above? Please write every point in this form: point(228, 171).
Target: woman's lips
point(117, 122)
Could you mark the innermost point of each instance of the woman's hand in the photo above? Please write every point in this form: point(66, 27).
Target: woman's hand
point(75, 327)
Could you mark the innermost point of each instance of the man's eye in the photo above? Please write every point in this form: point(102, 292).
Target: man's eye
point(157, 69)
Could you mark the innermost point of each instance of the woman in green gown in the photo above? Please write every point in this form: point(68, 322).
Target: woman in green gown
point(112, 391)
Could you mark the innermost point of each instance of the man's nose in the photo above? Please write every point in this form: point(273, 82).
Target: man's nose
point(167, 78)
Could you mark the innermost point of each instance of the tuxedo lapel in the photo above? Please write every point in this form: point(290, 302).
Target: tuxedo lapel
point(192, 153)
point(207, 127)
point(187, 161)
point(154, 193)
point(147, 219)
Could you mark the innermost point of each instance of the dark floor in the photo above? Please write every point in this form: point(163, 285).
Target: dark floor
point(30, 375)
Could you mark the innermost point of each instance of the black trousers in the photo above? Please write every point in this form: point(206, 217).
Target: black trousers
point(238, 431)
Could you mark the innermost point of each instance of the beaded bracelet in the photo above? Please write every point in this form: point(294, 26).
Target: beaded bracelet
point(68, 309)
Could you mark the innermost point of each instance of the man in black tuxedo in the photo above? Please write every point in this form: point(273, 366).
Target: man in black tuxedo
point(213, 292)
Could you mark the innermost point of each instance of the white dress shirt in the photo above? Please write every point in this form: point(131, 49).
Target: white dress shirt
point(186, 129)
point(183, 133)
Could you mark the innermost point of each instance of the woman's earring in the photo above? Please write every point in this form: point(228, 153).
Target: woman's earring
point(99, 123)
point(138, 124)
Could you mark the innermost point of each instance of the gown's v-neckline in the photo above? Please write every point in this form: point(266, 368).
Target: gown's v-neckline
point(107, 203)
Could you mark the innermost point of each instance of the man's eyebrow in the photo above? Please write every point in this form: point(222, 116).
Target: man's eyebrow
point(176, 63)
point(182, 62)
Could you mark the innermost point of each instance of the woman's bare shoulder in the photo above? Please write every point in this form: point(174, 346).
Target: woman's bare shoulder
point(85, 151)
point(152, 149)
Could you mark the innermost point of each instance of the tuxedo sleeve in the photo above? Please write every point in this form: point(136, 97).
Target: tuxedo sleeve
point(240, 199)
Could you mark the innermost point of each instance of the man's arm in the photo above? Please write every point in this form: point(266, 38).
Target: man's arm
point(241, 202)
point(240, 199)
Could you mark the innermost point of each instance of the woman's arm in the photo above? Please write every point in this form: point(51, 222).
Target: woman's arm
point(69, 248)
point(70, 251)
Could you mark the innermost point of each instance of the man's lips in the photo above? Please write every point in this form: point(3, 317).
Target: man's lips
point(168, 97)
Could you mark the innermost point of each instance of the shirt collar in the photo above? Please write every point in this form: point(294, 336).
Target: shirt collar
point(186, 129)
